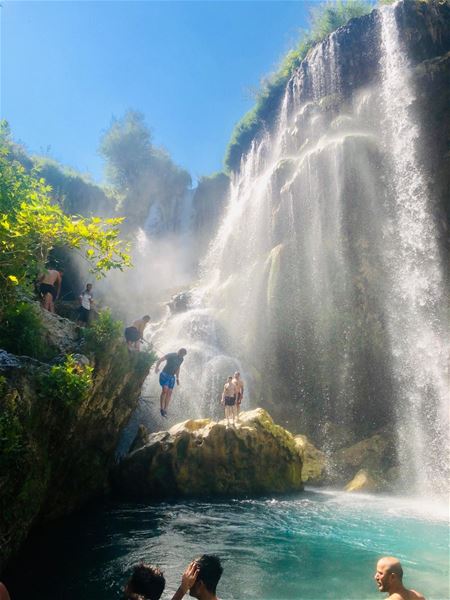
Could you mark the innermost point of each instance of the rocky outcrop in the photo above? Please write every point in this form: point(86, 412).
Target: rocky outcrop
point(367, 465)
point(207, 458)
point(57, 443)
point(314, 461)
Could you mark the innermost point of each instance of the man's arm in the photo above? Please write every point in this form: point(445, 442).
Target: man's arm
point(159, 362)
point(177, 375)
point(58, 285)
point(187, 581)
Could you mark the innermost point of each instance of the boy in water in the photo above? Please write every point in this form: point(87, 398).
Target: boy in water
point(229, 399)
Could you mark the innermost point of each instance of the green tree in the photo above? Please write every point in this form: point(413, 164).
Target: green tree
point(139, 171)
point(31, 225)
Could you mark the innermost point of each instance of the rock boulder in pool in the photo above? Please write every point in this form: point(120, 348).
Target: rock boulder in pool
point(207, 458)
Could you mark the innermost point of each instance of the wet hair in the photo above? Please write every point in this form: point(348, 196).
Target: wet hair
point(146, 318)
point(88, 284)
point(146, 582)
point(230, 377)
point(210, 571)
point(237, 374)
point(182, 351)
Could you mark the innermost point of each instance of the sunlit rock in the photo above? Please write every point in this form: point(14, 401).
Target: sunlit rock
point(207, 458)
point(362, 482)
point(314, 461)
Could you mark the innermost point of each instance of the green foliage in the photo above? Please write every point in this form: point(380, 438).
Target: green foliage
point(324, 19)
point(140, 172)
point(102, 334)
point(68, 383)
point(74, 192)
point(142, 361)
point(22, 333)
point(30, 226)
point(12, 443)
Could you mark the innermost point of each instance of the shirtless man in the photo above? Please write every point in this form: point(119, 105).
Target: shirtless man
point(50, 288)
point(389, 577)
point(135, 334)
point(229, 399)
point(239, 384)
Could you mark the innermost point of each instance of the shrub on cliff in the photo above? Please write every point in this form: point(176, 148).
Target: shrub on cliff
point(102, 334)
point(324, 19)
point(21, 332)
point(68, 382)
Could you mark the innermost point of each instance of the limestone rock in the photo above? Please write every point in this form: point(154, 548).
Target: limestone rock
point(375, 456)
point(314, 461)
point(362, 482)
point(60, 333)
point(207, 458)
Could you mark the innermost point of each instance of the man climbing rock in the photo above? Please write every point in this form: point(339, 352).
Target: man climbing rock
point(50, 288)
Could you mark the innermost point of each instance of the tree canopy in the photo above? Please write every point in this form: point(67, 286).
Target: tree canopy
point(141, 172)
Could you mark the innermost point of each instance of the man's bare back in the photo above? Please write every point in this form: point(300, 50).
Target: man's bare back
point(51, 277)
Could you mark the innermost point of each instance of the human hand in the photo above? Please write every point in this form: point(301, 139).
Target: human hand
point(189, 577)
point(178, 381)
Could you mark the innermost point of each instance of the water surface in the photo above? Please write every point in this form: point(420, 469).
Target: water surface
point(311, 546)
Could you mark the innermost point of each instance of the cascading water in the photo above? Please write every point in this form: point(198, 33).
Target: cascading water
point(324, 283)
point(416, 301)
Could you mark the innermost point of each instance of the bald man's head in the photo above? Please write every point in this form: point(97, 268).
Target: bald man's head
point(389, 574)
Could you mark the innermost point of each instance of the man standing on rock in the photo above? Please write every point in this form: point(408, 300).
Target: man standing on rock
point(170, 372)
point(239, 385)
point(200, 578)
point(50, 288)
point(389, 577)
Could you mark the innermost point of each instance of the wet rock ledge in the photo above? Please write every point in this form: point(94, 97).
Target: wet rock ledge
point(207, 458)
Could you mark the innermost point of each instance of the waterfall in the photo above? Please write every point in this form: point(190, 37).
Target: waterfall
point(415, 302)
point(324, 283)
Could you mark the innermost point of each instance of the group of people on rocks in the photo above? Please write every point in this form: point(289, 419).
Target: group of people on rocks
point(202, 575)
point(49, 288)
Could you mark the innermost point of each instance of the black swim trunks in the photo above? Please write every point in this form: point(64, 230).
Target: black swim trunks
point(132, 334)
point(230, 400)
point(83, 314)
point(47, 288)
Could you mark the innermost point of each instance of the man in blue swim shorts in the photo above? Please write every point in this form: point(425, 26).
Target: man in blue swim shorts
point(168, 376)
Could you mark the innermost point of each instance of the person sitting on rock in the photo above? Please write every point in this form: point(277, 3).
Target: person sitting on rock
point(229, 399)
point(134, 334)
point(389, 578)
point(170, 372)
point(239, 384)
point(146, 583)
point(201, 578)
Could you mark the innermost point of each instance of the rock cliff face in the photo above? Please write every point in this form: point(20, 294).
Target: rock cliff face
point(205, 458)
point(56, 452)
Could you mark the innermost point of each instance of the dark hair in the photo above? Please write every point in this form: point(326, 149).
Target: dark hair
point(146, 318)
point(182, 351)
point(146, 581)
point(210, 571)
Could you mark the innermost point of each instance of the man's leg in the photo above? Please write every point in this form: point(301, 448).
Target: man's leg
point(162, 399)
point(167, 398)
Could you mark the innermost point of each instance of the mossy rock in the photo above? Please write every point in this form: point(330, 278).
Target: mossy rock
point(207, 458)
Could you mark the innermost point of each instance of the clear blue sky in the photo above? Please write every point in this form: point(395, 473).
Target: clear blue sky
point(68, 67)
